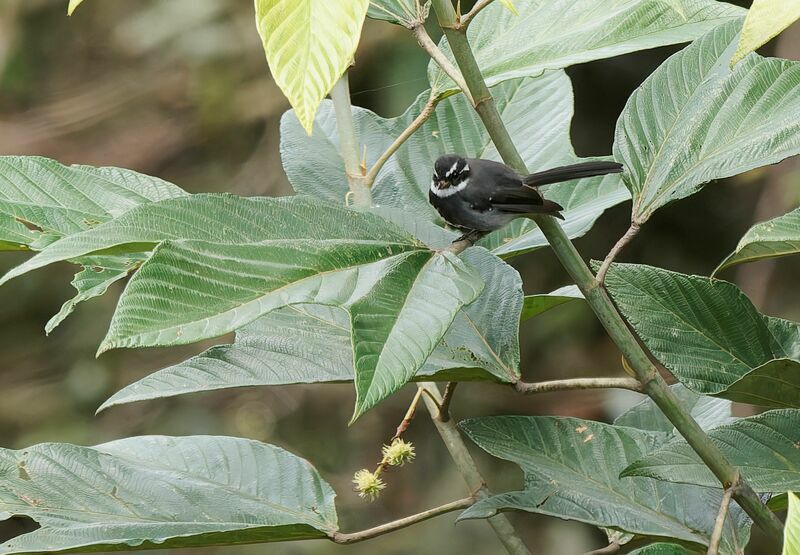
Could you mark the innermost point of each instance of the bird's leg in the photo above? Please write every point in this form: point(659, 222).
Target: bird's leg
point(472, 236)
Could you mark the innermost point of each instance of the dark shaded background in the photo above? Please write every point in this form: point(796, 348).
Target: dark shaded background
point(180, 89)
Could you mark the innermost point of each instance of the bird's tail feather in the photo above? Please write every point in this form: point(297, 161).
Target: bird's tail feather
point(574, 171)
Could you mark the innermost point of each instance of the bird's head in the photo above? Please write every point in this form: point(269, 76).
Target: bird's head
point(449, 170)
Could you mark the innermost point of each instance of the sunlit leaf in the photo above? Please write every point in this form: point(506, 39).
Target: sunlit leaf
point(400, 12)
point(73, 5)
point(791, 531)
point(309, 44)
point(765, 449)
point(765, 19)
point(537, 304)
point(162, 492)
point(694, 120)
point(773, 238)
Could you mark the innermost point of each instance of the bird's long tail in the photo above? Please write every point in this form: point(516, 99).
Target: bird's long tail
point(574, 171)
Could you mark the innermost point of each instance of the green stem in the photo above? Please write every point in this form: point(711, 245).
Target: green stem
point(652, 382)
point(469, 471)
point(348, 143)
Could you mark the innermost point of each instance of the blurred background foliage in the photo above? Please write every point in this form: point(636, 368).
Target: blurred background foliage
point(180, 89)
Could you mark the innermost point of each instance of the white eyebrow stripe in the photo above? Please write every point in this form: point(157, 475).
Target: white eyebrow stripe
point(449, 191)
point(452, 169)
point(464, 169)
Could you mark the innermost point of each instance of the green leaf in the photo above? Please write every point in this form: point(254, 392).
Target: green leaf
point(555, 35)
point(537, 112)
point(777, 237)
point(73, 5)
point(694, 120)
point(765, 449)
point(399, 12)
point(572, 468)
point(509, 5)
point(663, 549)
point(309, 45)
point(162, 492)
point(537, 304)
point(709, 412)
point(791, 531)
point(42, 201)
point(311, 344)
point(709, 335)
point(401, 298)
point(765, 20)
point(94, 280)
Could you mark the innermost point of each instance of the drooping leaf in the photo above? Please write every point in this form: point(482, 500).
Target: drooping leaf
point(399, 12)
point(311, 344)
point(694, 120)
point(709, 412)
point(709, 335)
point(162, 492)
point(572, 468)
point(309, 44)
point(765, 449)
point(555, 35)
point(42, 201)
point(73, 5)
point(538, 114)
point(765, 19)
point(97, 276)
point(537, 304)
point(791, 531)
point(777, 237)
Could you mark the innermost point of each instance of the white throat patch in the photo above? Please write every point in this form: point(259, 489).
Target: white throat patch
point(449, 191)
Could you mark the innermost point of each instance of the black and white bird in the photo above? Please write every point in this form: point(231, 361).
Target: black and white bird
point(478, 196)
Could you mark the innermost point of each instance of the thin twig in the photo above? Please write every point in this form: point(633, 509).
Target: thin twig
point(615, 250)
point(354, 537)
point(427, 44)
point(423, 116)
point(719, 524)
point(578, 383)
point(412, 410)
point(469, 471)
point(444, 410)
point(476, 9)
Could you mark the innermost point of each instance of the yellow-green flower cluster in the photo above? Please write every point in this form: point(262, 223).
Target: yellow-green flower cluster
point(368, 484)
point(398, 453)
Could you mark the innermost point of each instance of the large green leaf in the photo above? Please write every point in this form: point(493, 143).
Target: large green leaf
point(791, 532)
point(73, 5)
point(213, 272)
point(765, 449)
point(709, 335)
point(161, 492)
point(709, 412)
point(694, 120)
point(558, 34)
point(777, 237)
point(538, 114)
point(765, 19)
point(309, 44)
point(42, 201)
point(311, 344)
point(572, 468)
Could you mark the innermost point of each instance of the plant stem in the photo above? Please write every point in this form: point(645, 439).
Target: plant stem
point(469, 471)
point(412, 410)
point(476, 9)
point(615, 250)
point(423, 116)
point(355, 537)
point(719, 524)
point(647, 374)
point(444, 410)
point(427, 44)
point(348, 143)
point(578, 383)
